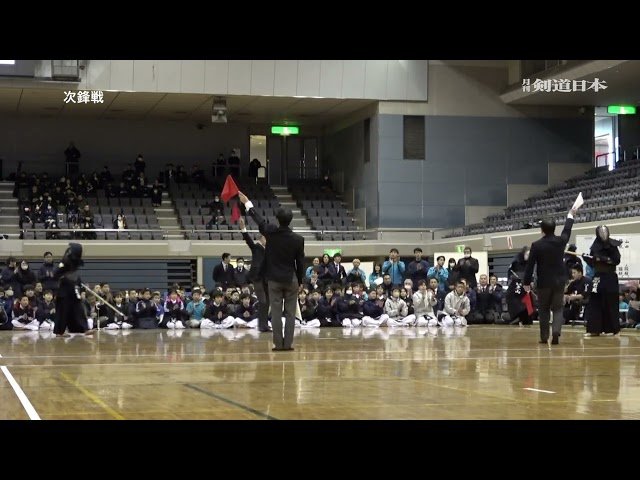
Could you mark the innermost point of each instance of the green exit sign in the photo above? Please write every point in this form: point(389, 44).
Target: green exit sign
point(332, 252)
point(285, 130)
point(622, 110)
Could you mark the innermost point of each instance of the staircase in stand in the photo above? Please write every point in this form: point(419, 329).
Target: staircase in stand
point(9, 215)
point(299, 222)
point(168, 218)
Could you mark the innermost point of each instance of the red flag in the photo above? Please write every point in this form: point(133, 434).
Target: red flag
point(235, 212)
point(229, 190)
point(527, 301)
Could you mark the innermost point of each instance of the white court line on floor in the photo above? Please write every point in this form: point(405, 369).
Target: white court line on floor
point(24, 400)
point(538, 390)
point(410, 358)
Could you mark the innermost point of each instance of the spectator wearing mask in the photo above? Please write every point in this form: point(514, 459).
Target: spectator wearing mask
point(349, 309)
point(120, 223)
point(216, 207)
point(453, 275)
point(25, 276)
point(241, 273)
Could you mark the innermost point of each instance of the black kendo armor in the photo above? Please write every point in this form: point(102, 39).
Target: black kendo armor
point(68, 300)
point(603, 257)
point(67, 271)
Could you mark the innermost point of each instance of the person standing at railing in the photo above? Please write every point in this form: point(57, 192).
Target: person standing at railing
point(72, 156)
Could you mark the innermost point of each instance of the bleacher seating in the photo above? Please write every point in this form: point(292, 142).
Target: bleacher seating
point(608, 195)
point(190, 198)
point(326, 214)
point(139, 212)
point(325, 211)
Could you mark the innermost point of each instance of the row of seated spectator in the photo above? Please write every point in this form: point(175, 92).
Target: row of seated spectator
point(99, 206)
point(199, 210)
point(608, 195)
point(131, 186)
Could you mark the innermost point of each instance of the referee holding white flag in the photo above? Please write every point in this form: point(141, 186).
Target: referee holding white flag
point(547, 254)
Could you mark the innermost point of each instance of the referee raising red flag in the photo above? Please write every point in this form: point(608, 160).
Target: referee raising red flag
point(229, 190)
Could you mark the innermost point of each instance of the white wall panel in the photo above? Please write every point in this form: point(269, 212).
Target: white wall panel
point(99, 75)
point(239, 77)
point(169, 73)
point(392, 80)
point(262, 77)
point(375, 80)
point(397, 80)
point(353, 79)
point(216, 76)
point(145, 75)
point(308, 78)
point(331, 78)
point(121, 75)
point(192, 76)
point(417, 78)
point(286, 78)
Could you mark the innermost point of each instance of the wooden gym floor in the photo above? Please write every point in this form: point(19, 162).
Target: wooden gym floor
point(485, 372)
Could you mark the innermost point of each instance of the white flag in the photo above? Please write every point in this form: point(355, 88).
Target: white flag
point(579, 202)
point(298, 313)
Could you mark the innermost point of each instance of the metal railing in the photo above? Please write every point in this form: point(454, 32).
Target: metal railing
point(606, 159)
point(632, 151)
point(80, 232)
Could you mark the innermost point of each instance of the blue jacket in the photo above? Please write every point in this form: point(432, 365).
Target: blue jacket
point(395, 270)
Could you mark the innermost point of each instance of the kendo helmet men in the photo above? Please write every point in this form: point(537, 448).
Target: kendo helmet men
point(602, 232)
